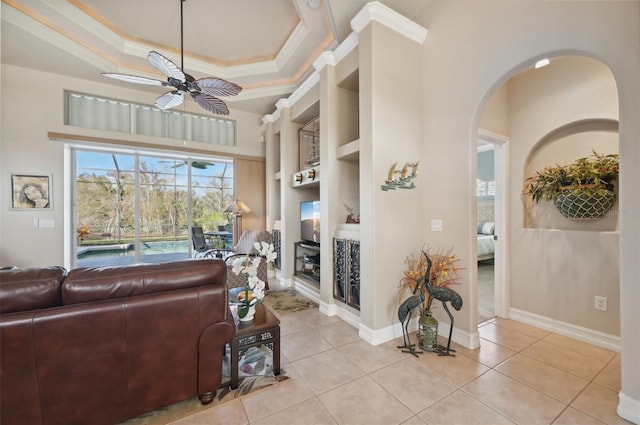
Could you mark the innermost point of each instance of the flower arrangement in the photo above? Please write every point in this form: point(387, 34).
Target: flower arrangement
point(82, 231)
point(594, 174)
point(248, 266)
point(444, 272)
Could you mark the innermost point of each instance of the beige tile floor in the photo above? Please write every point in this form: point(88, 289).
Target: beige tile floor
point(519, 375)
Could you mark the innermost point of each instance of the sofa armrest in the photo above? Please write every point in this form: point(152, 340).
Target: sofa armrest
point(211, 350)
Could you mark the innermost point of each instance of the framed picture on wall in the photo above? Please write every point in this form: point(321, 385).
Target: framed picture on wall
point(29, 192)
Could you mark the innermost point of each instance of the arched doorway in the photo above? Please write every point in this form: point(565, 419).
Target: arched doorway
point(552, 275)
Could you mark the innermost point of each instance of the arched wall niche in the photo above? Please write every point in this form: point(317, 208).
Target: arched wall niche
point(562, 146)
point(567, 108)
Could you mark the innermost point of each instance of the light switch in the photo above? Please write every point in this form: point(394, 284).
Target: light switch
point(436, 225)
point(44, 224)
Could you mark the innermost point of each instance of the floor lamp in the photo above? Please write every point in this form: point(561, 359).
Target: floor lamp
point(237, 208)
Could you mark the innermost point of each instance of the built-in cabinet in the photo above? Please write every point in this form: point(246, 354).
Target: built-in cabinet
point(334, 140)
point(277, 248)
point(346, 271)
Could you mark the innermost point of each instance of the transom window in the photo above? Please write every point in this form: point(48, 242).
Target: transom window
point(101, 113)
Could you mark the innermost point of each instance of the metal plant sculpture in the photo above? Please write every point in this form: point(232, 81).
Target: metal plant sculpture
point(445, 295)
point(408, 306)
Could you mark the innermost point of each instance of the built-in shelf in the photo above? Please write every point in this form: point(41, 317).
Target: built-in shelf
point(348, 231)
point(349, 151)
point(307, 266)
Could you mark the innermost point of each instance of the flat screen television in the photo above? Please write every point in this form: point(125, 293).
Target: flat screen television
point(310, 221)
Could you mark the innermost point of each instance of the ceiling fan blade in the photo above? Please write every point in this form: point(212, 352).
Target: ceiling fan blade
point(217, 87)
point(202, 165)
point(169, 100)
point(135, 79)
point(210, 103)
point(167, 67)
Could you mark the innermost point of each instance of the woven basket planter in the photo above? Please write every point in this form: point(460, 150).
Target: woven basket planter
point(576, 203)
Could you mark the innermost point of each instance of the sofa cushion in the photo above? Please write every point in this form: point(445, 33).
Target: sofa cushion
point(30, 289)
point(101, 283)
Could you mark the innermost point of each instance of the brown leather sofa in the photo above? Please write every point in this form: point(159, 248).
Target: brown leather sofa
point(101, 345)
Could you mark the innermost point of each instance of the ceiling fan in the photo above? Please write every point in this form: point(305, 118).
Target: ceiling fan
point(203, 91)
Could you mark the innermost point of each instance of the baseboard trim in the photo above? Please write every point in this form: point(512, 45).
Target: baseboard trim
point(307, 292)
point(601, 339)
point(348, 316)
point(628, 408)
point(328, 309)
point(380, 336)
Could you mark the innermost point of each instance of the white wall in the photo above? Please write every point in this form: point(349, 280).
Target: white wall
point(472, 48)
point(33, 106)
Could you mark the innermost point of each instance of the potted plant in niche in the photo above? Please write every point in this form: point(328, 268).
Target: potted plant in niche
point(582, 190)
point(444, 272)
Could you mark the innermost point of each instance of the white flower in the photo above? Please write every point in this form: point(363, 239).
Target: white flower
point(258, 293)
point(251, 281)
point(259, 285)
point(265, 250)
point(255, 263)
point(249, 267)
point(238, 265)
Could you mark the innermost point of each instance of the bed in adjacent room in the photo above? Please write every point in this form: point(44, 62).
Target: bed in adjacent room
point(486, 227)
point(486, 243)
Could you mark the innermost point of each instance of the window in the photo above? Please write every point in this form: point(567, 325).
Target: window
point(133, 207)
point(100, 113)
point(485, 188)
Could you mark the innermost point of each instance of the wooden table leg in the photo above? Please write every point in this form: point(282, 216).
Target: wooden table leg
point(234, 363)
point(276, 352)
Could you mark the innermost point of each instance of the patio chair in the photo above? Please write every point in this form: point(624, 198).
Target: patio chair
point(203, 248)
point(245, 247)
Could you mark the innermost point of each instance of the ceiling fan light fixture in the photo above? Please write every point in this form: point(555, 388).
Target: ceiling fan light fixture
point(203, 91)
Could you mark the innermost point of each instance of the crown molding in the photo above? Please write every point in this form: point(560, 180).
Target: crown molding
point(376, 11)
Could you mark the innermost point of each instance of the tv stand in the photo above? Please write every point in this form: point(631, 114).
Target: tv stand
point(307, 262)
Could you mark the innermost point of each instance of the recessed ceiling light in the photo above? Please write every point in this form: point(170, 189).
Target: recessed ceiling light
point(313, 4)
point(542, 62)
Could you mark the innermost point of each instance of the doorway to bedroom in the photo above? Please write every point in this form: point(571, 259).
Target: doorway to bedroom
point(486, 235)
point(491, 193)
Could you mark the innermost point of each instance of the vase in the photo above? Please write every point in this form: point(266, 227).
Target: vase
point(577, 204)
point(250, 314)
point(428, 332)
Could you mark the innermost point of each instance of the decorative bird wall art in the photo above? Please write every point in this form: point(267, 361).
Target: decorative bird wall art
point(401, 179)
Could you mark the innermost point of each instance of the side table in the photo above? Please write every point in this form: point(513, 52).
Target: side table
point(263, 330)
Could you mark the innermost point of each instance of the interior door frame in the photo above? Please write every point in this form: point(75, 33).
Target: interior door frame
point(501, 205)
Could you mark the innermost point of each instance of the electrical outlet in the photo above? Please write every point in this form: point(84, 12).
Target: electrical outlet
point(601, 303)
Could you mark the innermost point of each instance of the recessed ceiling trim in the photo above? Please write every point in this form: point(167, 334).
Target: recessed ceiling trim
point(293, 43)
point(40, 27)
point(76, 14)
point(259, 92)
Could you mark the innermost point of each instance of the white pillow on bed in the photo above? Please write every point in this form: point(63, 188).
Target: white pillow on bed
point(486, 227)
